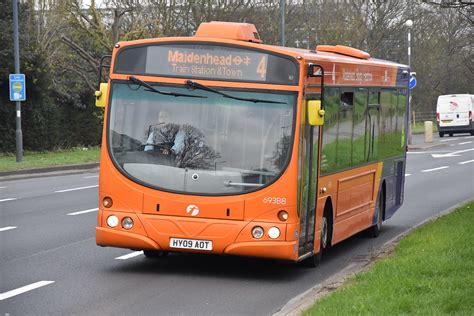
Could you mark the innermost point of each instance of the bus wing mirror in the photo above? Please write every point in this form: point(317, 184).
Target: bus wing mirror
point(315, 113)
point(101, 95)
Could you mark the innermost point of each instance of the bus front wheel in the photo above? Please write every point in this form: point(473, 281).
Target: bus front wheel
point(324, 242)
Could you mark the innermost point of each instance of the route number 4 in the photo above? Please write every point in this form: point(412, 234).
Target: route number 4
point(262, 67)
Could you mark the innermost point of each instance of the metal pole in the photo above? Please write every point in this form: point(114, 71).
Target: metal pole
point(409, 92)
point(16, 48)
point(282, 12)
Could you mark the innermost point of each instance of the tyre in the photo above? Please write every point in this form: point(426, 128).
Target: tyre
point(314, 260)
point(451, 134)
point(374, 231)
point(155, 253)
point(441, 134)
point(472, 133)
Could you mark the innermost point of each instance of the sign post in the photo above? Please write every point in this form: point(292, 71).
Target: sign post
point(18, 86)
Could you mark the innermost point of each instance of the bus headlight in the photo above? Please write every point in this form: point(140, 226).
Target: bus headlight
point(112, 221)
point(274, 233)
point(257, 232)
point(127, 223)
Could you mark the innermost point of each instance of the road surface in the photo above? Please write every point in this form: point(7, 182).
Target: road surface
point(49, 263)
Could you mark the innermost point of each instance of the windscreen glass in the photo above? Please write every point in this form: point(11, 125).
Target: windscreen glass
point(206, 145)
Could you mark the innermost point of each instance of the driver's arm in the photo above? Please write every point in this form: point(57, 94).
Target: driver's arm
point(149, 141)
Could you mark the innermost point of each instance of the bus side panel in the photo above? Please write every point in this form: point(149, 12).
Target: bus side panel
point(354, 195)
point(393, 175)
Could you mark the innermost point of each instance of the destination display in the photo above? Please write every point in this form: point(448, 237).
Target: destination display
point(207, 62)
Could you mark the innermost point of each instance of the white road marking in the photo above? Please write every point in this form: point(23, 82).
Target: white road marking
point(3, 187)
point(88, 177)
point(9, 199)
point(448, 140)
point(83, 212)
point(465, 162)
point(434, 169)
point(7, 228)
point(407, 174)
point(464, 143)
point(23, 289)
point(130, 255)
point(428, 152)
point(75, 189)
point(452, 154)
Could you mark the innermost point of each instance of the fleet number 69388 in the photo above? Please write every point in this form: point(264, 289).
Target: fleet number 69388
point(274, 200)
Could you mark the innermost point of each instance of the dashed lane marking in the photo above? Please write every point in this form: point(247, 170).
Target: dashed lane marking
point(434, 169)
point(89, 177)
point(465, 162)
point(9, 199)
point(7, 228)
point(464, 143)
point(21, 290)
point(75, 189)
point(130, 255)
point(407, 174)
point(448, 140)
point(84, 212)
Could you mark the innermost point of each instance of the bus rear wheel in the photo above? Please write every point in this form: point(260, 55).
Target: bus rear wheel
point(374, 231)
point(155, 253)
point(441, 134)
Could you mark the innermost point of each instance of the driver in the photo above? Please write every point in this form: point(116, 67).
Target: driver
point(165, 136)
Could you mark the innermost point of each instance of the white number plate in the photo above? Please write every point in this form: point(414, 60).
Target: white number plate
point(191, 244)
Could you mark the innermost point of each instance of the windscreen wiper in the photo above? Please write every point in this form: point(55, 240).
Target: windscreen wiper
point(151, 89)
point(195, 85)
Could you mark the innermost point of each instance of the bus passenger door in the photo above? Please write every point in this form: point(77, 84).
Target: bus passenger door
point(308, 175)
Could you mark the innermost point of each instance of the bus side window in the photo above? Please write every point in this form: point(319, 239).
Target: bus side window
point(345, 131)
point(332, 101)
point(359, 127)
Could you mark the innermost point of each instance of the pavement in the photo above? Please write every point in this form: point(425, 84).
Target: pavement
point(47, 171)
point(418, 142)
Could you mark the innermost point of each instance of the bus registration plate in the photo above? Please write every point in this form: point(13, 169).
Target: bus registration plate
point(191, 244)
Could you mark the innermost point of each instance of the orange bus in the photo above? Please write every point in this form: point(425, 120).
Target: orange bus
point(218, 143)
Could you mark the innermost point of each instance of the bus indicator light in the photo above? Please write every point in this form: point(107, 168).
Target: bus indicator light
point(127, 223)
point(283, 216)
point(107, 202)
point(257, 232)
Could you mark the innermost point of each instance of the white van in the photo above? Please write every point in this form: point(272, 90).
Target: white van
point(454, 114)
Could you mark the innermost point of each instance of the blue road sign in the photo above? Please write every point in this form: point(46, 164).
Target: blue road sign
point(412, 82)
point(17, 87)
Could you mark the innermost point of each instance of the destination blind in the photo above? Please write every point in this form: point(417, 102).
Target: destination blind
point(207, 62)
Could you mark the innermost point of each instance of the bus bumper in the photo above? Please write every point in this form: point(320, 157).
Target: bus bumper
point(228, 237)
point(284, 250)
point(114, 238)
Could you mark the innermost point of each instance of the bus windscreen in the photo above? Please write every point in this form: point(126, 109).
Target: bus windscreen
point(207, 61)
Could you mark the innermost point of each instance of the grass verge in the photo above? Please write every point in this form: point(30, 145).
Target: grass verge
point(33, 160)
point(431, 272)
point(419, 128)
